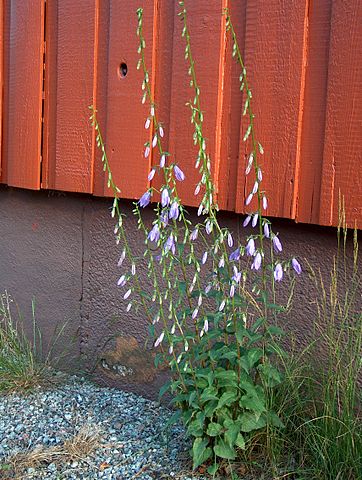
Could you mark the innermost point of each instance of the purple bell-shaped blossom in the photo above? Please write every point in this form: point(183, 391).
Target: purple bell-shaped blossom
point(151, 174)
point(174, 211)
point(277, 244)
point(204, 258)
point(145, 199)
point(170, 244)
point(250, 247)
point(179, 174)
point(246, 221)
point(257, 262)
point(278, 272)
point(154, 234)
point(296, 266)
point(165, 197)
point(235, 255)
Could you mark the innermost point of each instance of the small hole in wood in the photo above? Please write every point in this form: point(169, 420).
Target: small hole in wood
point(123, 70)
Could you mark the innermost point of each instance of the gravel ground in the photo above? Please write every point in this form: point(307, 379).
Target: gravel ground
point(132, 440)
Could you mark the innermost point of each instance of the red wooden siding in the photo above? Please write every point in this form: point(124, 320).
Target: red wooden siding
point(304, 66)
point(23, 65)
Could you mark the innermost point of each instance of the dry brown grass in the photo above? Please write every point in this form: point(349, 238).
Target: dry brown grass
point(78, 447)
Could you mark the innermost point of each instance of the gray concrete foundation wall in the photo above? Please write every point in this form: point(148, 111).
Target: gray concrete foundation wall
point(60, 249)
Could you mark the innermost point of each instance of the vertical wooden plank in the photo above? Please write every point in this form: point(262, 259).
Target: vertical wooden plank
point(72, 47)
point(342, 158)
point(24, 46)
point(314, 111)
point(125, 113)
point(229, 108)
point(204, 20)
point(1, 75)
point(274, 56)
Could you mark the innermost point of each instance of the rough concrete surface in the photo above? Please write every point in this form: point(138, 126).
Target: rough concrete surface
point(59, 249)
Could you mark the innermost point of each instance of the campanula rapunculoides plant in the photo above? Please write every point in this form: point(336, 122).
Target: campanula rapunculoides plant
point(211, 314)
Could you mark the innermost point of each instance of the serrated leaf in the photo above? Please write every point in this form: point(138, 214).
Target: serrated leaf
point(223, 450)
point(227, 398)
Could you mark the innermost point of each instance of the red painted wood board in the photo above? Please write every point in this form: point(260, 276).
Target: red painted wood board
point(204, 20)
point(314, 112)
point(71, 51)
point(342, 157)
point(126, 115)
point(23, 84)
point(1, 75)
point(274, 56)
point(229, 108)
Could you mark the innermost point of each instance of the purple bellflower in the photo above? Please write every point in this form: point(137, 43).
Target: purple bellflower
point(145, 199)
point(179, 174)
point(278, 272)
point(250, 247)
point(165, 197)
point(296, 266)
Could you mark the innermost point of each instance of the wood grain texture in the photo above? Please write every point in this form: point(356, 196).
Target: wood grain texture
point(342, 157)
point(125, 136)
point(23, 84)
point(204, 20)
point(274, 50)
point(229, 109)
point(71, 28)
point(314, 112)
point(1, 76)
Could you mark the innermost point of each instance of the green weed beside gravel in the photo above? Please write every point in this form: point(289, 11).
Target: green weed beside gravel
point(23, 364)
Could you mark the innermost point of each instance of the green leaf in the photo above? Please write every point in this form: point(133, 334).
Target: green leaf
point(226, 378)
point(233, 429)
point(210, 408)
point(174, 418)
point(270, 374)
point(250, 421)
point(252, 402)
point(223, 450)
point(212, 469)
point(165, 388)
point(213, 429)
point(240, 441)
point(200, 451)
point(210, 393)
point(240, 332)
point(227, 398)
point(273, 419)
